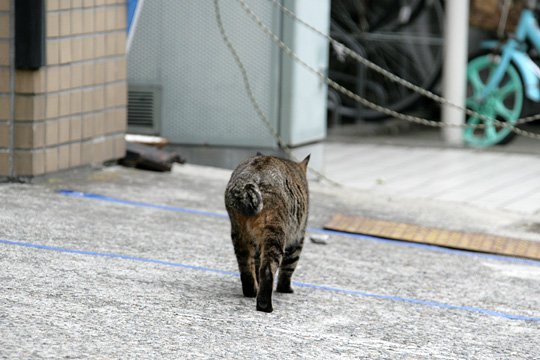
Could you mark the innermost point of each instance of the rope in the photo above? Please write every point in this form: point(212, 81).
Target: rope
point(354, 55)
point(252, 98)
point(343, 90)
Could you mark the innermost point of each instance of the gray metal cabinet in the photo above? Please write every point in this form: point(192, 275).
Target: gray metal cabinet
point(178, 50)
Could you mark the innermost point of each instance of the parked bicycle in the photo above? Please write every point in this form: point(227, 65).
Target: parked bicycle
point(500, 78)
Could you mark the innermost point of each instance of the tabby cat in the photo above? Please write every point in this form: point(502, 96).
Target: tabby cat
point(267, 201)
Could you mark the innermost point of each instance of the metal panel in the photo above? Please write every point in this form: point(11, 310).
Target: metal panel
point(178, 46)
point(303, 95)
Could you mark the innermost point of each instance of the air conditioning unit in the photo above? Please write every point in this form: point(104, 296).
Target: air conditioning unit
point(178, 49)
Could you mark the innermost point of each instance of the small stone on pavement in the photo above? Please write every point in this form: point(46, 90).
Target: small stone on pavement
point(320, 239)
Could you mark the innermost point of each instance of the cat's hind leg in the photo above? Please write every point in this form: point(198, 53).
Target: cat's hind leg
point(288, 265)
point(257, 263)
point(271, 255)
point(245, 256)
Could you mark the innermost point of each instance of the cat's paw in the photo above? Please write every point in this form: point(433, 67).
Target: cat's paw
point(285, 289)
point(249, 292)
point(249, 288)
point(264, 306)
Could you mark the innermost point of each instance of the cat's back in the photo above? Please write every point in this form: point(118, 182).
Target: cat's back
point(270, 185)
point(270, 171)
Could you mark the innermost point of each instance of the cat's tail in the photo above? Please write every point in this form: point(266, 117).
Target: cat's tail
point(246, 198)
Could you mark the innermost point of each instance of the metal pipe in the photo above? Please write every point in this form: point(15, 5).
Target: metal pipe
point(455, 68)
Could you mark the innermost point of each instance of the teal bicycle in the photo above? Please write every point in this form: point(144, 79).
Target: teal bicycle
point(499, 79)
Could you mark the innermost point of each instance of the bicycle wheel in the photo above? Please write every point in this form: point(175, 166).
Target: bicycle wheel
point(505, 103)
point(360, 16)
point(411, 50)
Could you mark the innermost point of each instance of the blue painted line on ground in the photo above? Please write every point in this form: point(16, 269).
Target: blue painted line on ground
point(85, 195)
point(296, 283)
point(115, 256)
point(419, 302)
point(429, 247)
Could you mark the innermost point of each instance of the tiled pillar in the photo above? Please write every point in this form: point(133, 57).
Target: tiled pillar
point(72, 112)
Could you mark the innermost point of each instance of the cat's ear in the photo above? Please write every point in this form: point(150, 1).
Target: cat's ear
point(304, 163)
point(259, 153)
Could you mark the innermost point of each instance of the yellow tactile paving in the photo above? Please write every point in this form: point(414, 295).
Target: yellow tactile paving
point(434, 236)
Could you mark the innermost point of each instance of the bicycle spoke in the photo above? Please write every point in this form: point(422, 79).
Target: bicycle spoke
point(491, 130)
point(476, 81)
point(506, 90)
point(472, 121)
point(503, 111)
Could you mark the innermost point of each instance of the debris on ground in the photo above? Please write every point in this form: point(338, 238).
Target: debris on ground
point(149, 157)
point(150, 140)
point(320, 239)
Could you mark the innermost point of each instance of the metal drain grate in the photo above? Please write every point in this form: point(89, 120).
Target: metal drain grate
point(440, 237)
point(144, 109)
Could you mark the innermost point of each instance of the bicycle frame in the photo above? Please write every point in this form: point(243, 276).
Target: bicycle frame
point(515, 51)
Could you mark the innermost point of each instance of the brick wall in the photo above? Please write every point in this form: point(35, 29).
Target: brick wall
point(71, 112)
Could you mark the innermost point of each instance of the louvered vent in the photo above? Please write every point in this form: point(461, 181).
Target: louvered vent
point(143, 109)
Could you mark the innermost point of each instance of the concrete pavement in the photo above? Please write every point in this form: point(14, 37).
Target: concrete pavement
point(95, 278)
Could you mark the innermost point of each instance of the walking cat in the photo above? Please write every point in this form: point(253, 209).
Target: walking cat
point(267, 202)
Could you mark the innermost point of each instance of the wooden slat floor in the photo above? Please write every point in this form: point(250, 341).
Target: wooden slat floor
point(436, 236)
